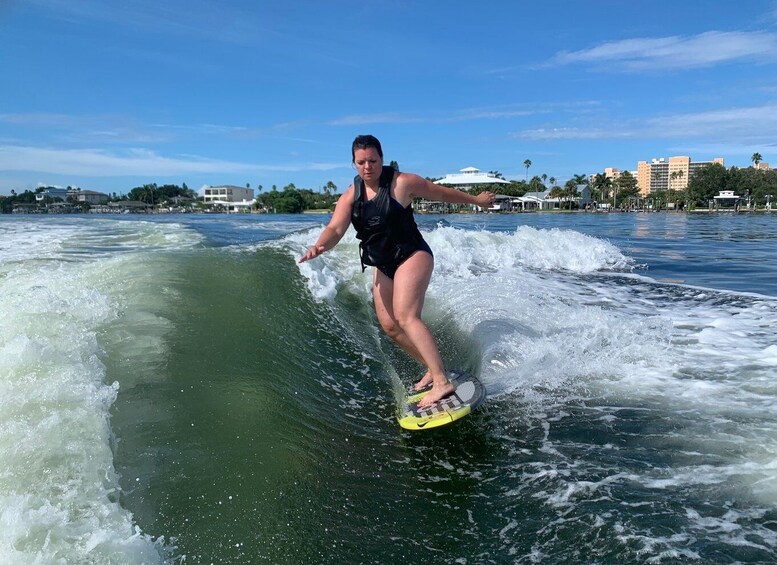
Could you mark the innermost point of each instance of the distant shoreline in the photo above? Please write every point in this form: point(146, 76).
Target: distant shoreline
point(322, 211)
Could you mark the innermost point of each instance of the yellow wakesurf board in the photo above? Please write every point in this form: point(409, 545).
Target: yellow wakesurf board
point(469, 394)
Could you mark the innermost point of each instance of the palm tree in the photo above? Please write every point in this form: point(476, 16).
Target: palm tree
point(527, 164)
point(602, 184)
point(756, 158)
point(580, 179)
point(552, 180)
point(570, 191)
point(557, 192)
point(672, 176)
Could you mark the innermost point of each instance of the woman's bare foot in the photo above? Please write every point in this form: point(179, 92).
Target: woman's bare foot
point(425, 381)
point(438, 392)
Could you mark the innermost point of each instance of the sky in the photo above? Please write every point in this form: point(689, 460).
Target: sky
point(109, 95)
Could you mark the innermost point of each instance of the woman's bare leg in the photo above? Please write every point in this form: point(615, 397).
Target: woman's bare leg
point(383, 292)
point(409, 291)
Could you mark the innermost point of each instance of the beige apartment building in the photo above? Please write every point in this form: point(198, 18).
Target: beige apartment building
point(611, 173)
point(673, 174)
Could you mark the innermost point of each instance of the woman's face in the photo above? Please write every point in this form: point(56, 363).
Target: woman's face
point(368, 163)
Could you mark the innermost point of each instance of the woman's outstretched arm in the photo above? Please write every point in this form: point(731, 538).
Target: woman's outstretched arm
point(336, 228)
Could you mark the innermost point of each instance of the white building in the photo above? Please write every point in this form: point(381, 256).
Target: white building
point(77, 194)
point(543, 200)
point(90, 196)
point(726, 198)
point(51, 192)
point(468, 177)
point(226, 193)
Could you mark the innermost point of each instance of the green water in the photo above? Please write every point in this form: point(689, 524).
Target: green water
point(262, 434)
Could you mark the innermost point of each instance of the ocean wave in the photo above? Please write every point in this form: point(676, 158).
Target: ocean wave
point(463, 253)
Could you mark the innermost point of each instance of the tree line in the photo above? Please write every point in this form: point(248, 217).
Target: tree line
point(755, 185)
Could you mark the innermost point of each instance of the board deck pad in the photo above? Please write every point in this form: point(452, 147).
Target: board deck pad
point(468, 395)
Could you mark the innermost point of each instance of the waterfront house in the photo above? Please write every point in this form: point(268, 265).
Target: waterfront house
point(543, 200)
point(90, 197)
point(726, 198)
point(122, 207)
point(226, 193)
point(469, 177)
point(466, 179)
point(228, 197)
point(52, 192)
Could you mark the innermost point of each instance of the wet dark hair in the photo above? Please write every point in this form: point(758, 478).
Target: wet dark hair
point(363, 142)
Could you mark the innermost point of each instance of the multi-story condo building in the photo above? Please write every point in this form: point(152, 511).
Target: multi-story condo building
point(227, 193)
point(674, 174)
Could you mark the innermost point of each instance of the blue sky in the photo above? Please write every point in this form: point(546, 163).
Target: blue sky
point(109, 95)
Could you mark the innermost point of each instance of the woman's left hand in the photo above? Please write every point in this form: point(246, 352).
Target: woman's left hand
point(485, 199)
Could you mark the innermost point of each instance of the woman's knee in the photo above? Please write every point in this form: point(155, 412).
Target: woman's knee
point(390, 326)
point(404, 321)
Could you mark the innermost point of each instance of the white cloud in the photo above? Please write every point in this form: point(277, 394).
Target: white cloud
point(677, 52)
point(468, 114)
point(560, 133)
point(368, 119)
point(746, 124)
point(743, 125)
point(97, 163)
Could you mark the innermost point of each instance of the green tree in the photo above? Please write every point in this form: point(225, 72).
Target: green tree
point(602, 185)
point(7, 203)
point(527, 164)
point(556, 192)
point(394, 165)
point(756, 158)
point(291, 201)
point(580, 179)
point(535, 185)
point(145, 193)
point(706, 183)
point(626, 186)
point(570, 192)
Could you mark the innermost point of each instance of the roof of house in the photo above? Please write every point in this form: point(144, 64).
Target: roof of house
point(470, 176)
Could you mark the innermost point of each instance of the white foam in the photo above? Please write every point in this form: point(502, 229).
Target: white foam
point(58, 488)
point(559, 318)
point(333, 270)
point(463, 254)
